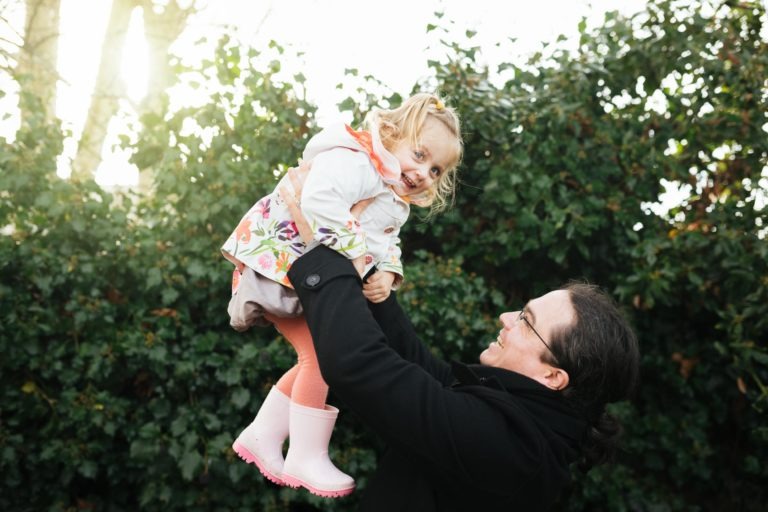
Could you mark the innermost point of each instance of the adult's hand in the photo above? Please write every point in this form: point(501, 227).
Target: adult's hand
point(297, 176)
point(379, 286)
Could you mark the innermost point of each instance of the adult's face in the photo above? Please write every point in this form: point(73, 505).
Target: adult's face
point(522, 341)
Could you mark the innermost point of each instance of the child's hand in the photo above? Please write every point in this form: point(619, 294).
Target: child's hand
point(379, 286)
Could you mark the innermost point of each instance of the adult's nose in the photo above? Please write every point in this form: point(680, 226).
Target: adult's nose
point(507, 319)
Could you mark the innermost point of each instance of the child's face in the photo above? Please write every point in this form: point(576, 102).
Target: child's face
point(422, 166)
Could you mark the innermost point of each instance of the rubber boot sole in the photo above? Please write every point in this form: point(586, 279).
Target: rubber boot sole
point(250, 458)
point(292, 481)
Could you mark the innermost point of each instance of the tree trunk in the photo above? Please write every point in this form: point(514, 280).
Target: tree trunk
point(107, 92)
point(36, 70)
point(161, 29)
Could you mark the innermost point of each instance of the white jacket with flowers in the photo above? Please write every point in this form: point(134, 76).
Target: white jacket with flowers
point(347, 167)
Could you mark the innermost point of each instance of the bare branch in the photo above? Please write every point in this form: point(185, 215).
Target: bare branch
point(38, 43)
point(9, 27)
point(11, 43)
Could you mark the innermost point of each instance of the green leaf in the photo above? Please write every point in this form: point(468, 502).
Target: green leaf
point(189, 464)
point(154, 277)
point(241, 397)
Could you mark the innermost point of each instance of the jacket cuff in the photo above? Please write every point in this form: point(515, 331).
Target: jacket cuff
point(395, 269)
point(317, 267)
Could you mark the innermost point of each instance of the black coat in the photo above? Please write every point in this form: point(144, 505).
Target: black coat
point(460, 437)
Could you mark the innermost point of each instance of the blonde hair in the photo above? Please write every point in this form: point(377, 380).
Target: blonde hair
point(406, 122)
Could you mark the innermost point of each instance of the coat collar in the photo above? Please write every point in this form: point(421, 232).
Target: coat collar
point(385, 163)
point(497, 378)
point(369, 142)
point(466, 376)
point(544, 404)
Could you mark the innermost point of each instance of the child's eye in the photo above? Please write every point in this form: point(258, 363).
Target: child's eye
point(418, 154)
point(435, 171)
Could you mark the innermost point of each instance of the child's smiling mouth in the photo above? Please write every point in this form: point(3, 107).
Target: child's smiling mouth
point(408, 181)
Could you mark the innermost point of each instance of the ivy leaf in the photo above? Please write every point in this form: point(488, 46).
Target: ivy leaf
point(241, 397)
point(189, 463)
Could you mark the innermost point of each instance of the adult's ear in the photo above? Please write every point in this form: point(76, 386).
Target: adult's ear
point(557, 379)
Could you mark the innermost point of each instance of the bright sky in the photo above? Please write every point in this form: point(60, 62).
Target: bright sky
point(387, 40)
point(391, 43)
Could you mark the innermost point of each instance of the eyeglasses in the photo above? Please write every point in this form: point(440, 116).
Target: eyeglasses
point(521, 316)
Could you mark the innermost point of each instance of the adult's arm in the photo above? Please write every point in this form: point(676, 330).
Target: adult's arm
point(456, 434)
point(401, 335)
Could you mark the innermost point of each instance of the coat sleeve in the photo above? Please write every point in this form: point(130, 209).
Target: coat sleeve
point(409, 405)
point(401, 336)
point(339, 178)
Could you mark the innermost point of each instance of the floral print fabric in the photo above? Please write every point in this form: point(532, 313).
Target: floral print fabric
point(343, 173)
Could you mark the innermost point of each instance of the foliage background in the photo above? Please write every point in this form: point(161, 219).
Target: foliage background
point(123, 386)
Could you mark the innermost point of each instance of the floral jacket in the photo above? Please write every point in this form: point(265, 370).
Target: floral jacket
point(347, 167)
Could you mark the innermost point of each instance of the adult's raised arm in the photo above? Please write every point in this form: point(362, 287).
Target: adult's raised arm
point(402, 337)
point(409, 406)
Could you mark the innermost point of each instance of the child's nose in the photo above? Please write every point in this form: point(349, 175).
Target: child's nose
point(423, 173)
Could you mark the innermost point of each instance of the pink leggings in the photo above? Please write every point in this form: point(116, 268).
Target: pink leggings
point(303, 383)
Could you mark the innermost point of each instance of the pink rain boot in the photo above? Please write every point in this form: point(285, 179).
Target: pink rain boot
point(307, 463)
point(261, 443)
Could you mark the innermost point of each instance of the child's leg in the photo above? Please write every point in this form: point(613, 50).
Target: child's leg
point(311, 421)
point(285, 384)
point(261, 442)
point(308, 387)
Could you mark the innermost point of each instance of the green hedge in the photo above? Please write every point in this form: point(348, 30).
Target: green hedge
point(123, 385)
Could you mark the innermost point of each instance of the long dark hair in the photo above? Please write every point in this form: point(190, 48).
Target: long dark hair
point(601, 356)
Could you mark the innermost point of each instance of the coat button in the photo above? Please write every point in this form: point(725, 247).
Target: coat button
point(389, 229)
point(312, 280)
